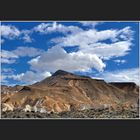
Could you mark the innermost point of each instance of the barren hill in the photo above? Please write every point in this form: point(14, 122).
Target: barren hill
point(64, 91)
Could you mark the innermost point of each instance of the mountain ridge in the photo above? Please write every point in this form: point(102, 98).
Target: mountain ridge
point(63, 91)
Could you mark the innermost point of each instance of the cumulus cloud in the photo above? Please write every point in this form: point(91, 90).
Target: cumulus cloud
point(10, 32)
point(94, 47)
point(46, 28)
point(91, 54)
point(125, 75)
point(57, 58)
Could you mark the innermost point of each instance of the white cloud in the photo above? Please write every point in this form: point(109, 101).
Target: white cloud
point(119, 61)
point(7, 61)
point(27, 51)
point(93, 50)
point(46, 28)
point(30, 77)
point(7, 70)
point(26, 36)
point(3, 80)
point(8, 54)
point(91, 54)
point(42, 27)
point(57, 58)
point(84, 38)
point(8, 31)
point(107, 51)
point(90, 23)
point(126, 33)
point(8, 57)
point(12, 32)
point(125, 75)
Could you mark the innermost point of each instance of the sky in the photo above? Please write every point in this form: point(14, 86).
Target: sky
point(32, 51)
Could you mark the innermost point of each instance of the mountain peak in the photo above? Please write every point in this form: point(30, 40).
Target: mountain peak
point(61, 72)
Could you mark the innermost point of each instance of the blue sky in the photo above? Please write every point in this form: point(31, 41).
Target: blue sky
point(32, 51)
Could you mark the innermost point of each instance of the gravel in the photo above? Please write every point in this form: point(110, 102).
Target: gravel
point(105, 113)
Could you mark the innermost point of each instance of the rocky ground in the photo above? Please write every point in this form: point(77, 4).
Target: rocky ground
point(105, 113)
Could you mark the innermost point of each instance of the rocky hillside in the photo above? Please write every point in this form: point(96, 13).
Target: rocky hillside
point(64, 91)
point(129, 87)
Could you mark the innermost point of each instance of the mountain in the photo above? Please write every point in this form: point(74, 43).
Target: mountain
point(64, 91)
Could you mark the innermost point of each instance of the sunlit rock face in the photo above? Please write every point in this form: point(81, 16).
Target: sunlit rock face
point(7, 107)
